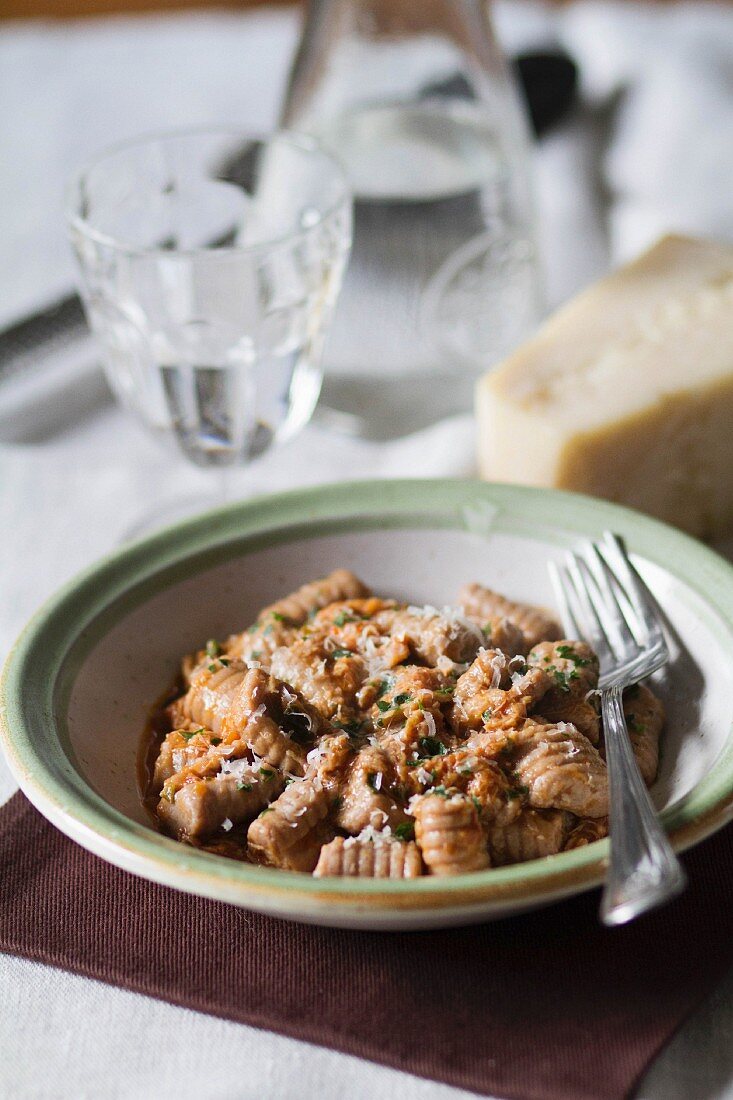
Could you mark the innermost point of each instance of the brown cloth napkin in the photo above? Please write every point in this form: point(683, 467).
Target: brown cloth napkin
point(546, 1006)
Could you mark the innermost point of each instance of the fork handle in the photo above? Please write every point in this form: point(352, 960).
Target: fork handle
point(643, 870)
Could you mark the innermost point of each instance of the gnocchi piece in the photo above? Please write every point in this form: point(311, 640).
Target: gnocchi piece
point(644, 714)
point(501, 633)
point(485, 606)
point(326, 675)
point(275, 721)
point(449, 833)
point(496, 692)
point(366, 797)
point(482, 779)
point(369, 857)
point(586, 832)
point(212, 687)
point(203, 806)
point(181, 747)
point(573, 669)
point(561, 770)
point(532, 835)
point(276, 624)
point(291, 831)
point(432, 635)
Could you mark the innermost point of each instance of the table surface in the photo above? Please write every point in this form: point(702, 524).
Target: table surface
point(67, 495)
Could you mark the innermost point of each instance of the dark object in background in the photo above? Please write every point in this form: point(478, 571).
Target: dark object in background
point(549, 82)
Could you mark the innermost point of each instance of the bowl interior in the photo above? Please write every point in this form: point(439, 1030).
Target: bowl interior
point(127, 656)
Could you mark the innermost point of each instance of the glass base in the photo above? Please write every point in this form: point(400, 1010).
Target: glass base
point(382, 409)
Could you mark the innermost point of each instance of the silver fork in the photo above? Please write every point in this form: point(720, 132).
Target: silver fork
point(605, 603)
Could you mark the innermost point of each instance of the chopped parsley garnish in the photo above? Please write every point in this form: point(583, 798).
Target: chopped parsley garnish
point(569, 654)
point(188, 734)
point(403, 697)
point(281, 618)
point(215, 741)
point(213, 649)
point(224, 662)
point(405, 831)
point(267, 772)
point(341, 653)
point(440, 791)
point(352, 728)
point(488, 713)
point(516, 792)
point(561, 680)
point(242, 786)
point(431, 746)
point(383, 687)
point(383, 705)
point(343, 618)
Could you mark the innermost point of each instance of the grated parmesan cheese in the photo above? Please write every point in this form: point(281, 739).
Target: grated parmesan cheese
point(430, 723)
point(498, 664)
point(238, 768)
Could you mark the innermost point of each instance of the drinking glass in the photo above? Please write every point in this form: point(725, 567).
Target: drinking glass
point(418, 102)
point(210, 263)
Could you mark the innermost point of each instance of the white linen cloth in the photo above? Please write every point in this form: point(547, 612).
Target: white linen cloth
point(649, 150)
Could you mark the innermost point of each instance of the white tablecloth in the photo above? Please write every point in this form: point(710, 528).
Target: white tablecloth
point(649, 150)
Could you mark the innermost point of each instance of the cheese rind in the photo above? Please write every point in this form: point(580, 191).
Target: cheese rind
point(627, 392)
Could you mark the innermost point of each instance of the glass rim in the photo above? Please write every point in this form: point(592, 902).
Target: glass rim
point(304, 142)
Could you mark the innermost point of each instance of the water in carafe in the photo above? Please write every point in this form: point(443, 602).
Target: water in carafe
point(443, 278)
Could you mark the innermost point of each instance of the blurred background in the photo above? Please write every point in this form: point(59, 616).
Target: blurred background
point(617, 169)
point(641, 147)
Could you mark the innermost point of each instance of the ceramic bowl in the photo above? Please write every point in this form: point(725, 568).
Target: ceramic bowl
point(80, 681)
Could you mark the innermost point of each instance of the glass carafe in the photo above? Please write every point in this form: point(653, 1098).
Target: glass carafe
point(415, 99)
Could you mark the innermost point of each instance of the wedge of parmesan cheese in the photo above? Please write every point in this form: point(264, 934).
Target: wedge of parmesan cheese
point(627, 392)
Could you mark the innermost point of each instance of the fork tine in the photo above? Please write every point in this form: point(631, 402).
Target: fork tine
point(625, 630)
point(639, 594)
point(558, 581)
point(591, 623)
point(562, 587)
point(573, 622)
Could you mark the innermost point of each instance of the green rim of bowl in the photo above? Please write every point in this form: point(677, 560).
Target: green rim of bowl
point(41, 668)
